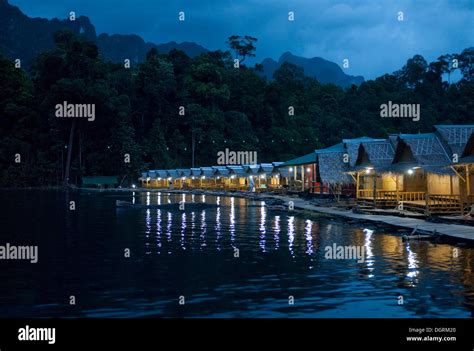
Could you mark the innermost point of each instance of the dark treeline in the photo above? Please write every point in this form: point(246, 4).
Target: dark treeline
point(138, 111)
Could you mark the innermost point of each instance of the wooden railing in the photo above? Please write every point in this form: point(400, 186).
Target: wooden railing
point(365, 193)
point(443, 199)
point(391, 195)
point(413, 200)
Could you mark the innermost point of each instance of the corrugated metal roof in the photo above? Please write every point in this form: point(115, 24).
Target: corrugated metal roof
point(302, 160)
point(334, 148)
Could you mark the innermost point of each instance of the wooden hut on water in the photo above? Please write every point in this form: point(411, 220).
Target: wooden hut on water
point(208, 181)
point(238, 178)
point(173, 179)
point(465, 170)
point(459, 139)
point(158, 179)
point(427, 183)
point(221, 176)
point(195, 175)
point(371, 173)
point(302, 173)
point(185, 178)
point(279, 177)
point(144, 179)
point(331, 171)
point(270, 178)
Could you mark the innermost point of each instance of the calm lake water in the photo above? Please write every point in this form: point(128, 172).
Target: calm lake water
point(191, 253)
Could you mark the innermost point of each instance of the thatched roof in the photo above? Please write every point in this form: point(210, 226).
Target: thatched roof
point(220, 170)
point(377, 154)
point(237, 170)
point(393, 138)
point(159, 173)
point(184, 172)
point(467, 155)
point(455, 137)
point(173, 173)
point(331, 165)
point(195, 172)
point(421, 150)
point(352, 147)
point(266, 168)
point(207, 172)
point(251, 169)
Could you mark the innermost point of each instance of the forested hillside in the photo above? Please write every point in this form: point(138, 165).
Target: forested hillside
point(138, 110)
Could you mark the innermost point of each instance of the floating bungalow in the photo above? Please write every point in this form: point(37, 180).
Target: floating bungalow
point(465, 170)
point(459, 139)
point(302, 173)
point(431, 173)
point(238, 178)
point(424, 181)
point(371, 172)
point(332, 166)
point(208, 180)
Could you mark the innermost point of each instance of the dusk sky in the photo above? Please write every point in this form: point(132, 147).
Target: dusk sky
point(365, 32)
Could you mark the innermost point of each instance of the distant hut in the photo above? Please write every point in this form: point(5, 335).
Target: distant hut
point(238, 178)
point(195, 178)
point(158, 178)
point(280, 177)
point(173, 178)
point(185, 178)
point(268, 179)
point(221, 176)
point(144, 180)
point(207, 178)
point(302, 173)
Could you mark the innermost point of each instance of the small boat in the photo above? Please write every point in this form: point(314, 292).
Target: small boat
point(121, 203)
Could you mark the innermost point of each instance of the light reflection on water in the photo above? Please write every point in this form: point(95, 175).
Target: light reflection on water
point(191, 252)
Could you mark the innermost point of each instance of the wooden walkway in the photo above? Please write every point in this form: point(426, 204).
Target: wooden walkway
point(457, 231)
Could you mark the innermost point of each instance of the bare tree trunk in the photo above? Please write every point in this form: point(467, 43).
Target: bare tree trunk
point(193, 145)
point(69, 153)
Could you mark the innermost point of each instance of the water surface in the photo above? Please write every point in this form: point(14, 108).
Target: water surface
point(191, 253)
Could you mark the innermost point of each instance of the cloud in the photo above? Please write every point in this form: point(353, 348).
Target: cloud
point(366, 32)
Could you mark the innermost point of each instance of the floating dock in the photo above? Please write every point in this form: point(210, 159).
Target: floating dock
point(457, 231)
